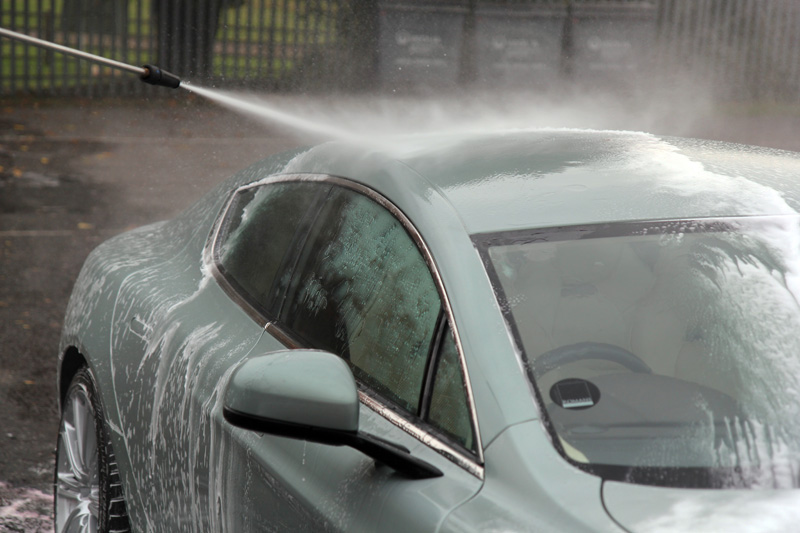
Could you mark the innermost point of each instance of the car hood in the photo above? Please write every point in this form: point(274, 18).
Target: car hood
point(644, 509)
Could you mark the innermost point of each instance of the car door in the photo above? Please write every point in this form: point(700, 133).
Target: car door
point(177, 331)
point(354, 282)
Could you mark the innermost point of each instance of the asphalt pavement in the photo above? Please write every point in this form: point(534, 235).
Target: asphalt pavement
point(75, 172)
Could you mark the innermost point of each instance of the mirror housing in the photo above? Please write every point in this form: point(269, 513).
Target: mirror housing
point(299, 389)
point(309, 395)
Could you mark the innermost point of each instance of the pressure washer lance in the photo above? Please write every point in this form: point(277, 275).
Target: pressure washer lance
point(148, 73)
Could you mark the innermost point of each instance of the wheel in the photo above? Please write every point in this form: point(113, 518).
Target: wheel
point(88, 492)
point(588, 350)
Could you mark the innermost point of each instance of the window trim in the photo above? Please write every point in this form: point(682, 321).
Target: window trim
point(443, 330)
point(432, 365)
point(472, 463)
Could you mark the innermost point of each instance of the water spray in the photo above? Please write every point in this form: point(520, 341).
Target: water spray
point(148, 73)
point(156, 76)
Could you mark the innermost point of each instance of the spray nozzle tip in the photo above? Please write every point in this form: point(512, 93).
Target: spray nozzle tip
point(155, 76)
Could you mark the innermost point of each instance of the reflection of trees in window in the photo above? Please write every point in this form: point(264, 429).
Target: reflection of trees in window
point(380, 302)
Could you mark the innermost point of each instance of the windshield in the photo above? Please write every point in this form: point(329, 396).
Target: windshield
point(665, 352)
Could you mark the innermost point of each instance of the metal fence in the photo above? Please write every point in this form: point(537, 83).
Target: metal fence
point(742, 49)
point(266, 43)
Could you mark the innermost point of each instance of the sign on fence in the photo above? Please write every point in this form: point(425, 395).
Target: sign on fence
point(612, 45)
point(420, 44)
point(518, 46)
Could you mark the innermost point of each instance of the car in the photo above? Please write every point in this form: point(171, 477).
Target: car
point(522, 330)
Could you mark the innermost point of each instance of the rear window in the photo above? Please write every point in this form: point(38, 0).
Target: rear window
point(662, 352)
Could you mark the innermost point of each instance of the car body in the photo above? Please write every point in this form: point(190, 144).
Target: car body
point(464, 332)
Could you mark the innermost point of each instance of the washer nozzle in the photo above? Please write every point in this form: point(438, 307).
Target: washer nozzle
point(155, 76)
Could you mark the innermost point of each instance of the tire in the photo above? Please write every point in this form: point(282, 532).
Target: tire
point(88, 490)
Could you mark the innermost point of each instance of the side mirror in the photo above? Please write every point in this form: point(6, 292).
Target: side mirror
point(309, 395)
point(304, 394)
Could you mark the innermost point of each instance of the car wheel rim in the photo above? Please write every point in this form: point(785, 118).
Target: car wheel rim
point(78, 477)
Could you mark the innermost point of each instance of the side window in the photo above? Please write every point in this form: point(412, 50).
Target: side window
point(449, 411)
point(261, 226)
point(362, 290)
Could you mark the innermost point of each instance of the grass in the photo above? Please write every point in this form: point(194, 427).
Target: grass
point(246, 37)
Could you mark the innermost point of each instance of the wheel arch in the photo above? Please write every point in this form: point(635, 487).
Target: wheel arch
point(71, 363)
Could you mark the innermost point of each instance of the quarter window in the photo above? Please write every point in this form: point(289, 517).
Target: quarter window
point(448, 409)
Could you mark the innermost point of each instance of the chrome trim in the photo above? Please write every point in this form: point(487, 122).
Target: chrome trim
point(211, 266)
point(282, 337)
point(428, 256)
point(429, 439)
point(237, 298)
point(471, 465)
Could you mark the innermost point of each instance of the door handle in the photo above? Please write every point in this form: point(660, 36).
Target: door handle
point(139, 328)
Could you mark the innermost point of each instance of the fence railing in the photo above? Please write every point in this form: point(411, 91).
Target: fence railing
point(743, 49)
point(266, 43)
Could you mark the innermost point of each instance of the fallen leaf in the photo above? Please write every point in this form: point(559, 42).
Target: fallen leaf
point(29, 382)
point(17, 172)
point(85, 225)
point(44, 160)
point(103, 155)
point(19, 127)
point(24, 148)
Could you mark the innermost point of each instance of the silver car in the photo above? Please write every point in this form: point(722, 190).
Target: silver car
point(548, 330)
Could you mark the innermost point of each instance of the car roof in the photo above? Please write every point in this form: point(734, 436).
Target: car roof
point(553, 177)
